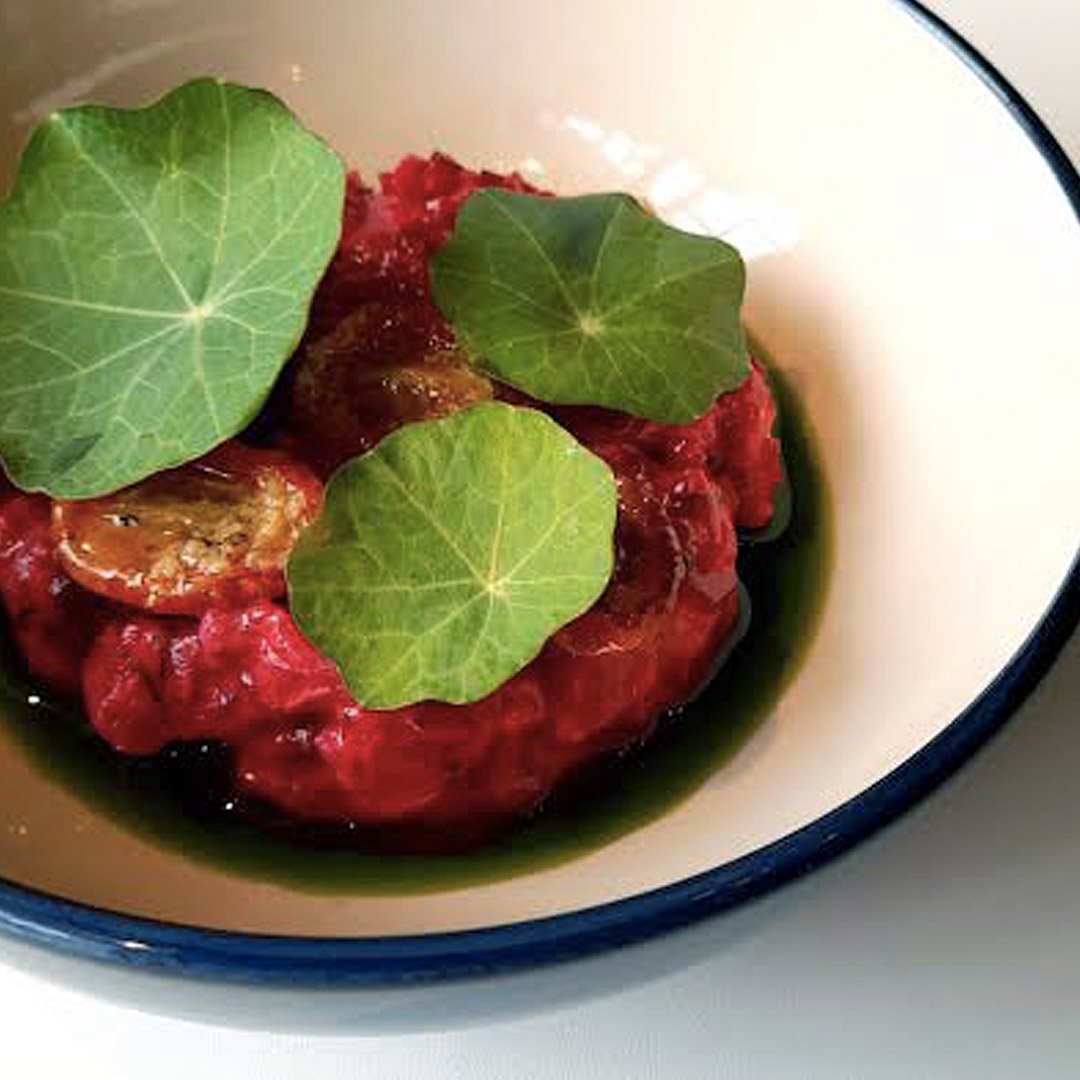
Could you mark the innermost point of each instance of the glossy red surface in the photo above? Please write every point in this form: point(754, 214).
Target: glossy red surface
point(214, 532)
point(431, 775)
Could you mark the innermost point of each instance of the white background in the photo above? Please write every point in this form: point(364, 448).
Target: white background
point(947, 947)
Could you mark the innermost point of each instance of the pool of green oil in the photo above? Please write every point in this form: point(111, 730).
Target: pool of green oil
point(175, 802)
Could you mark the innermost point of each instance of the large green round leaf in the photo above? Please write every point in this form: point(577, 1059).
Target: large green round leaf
point(156, 267)
point(592, 301)
point(445, 557)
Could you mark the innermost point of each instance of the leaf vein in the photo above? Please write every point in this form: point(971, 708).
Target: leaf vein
point(133, 210)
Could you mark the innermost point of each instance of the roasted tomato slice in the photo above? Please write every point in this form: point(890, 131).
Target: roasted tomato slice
point(650, 566)
point(212, 533)
point(381, 367)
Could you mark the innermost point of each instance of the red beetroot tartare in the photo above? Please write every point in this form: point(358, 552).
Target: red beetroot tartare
point(180, 630)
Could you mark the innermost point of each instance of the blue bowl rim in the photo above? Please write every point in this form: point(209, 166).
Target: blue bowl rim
point(340, 962)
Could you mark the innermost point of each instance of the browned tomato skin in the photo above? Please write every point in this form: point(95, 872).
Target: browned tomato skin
point(377, 353)
point(214, 533)
point(382, 366)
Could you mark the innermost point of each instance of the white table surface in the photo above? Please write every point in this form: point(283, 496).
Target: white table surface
point(949, 946)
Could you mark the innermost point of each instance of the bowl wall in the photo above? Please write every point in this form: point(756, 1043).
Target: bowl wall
point(913, 263)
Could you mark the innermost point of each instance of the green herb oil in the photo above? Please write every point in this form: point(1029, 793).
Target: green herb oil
point(176, 800)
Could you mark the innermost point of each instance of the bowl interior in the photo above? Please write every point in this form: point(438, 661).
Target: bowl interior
point(911, 262)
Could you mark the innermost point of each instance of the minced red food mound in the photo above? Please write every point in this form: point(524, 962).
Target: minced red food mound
point(228, 664)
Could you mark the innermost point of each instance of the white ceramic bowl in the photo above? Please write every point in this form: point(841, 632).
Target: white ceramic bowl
point(913, 251)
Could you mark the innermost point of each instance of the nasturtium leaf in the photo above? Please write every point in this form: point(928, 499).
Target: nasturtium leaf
point(592, 301)
point(445, 557)
point(156, 268)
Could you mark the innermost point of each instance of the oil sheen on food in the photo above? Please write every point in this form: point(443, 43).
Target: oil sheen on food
point(185, 794)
